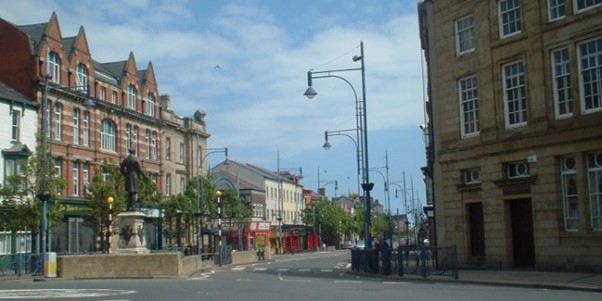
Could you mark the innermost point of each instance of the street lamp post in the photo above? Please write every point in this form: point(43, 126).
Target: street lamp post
point(44, 194)
point(199, 189)
point(362, 129)
point(218, 195)
point(327, 146)
point(110, 226)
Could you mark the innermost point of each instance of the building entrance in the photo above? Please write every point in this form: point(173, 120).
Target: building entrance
point(476, 231)
point(523, 246)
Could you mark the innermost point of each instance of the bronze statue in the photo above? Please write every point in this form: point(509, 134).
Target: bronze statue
point(131, 170)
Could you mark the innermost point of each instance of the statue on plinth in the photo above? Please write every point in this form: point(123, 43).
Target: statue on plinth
point(132, 171)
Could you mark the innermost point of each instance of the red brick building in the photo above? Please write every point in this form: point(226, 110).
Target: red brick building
point(127, 112)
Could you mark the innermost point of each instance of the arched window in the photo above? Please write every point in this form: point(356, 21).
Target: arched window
point(81, 77)
point(107, 135)
point(53, 66)
point(150, 105)
point(131, 97)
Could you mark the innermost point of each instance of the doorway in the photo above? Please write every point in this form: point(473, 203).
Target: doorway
point(476, 231)
point(523, 245)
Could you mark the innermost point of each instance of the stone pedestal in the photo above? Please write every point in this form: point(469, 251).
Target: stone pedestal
point(132, 238)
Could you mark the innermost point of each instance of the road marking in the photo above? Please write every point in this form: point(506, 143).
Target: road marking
point(348, 281)
point(282, 270)
point(304, 270)
point(326, 270)
point(293, 280)
point(61, 293)
point(239, 268)
point(259, 269)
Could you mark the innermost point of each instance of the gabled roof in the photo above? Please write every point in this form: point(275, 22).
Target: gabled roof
point(17, 149)
point(115, 69)
point(250, 168)
point(9, 94)
point(68, 43)
point(35, 33)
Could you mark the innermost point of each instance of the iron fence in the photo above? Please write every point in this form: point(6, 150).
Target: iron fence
point(22, 264)
point(421, 261)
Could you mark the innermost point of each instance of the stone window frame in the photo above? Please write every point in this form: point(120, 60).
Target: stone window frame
point(509, 16)
point(556, 10)
point(561, 83)
point(568, 179)
point(465, 36)
point(515, 94)
point(468, 96)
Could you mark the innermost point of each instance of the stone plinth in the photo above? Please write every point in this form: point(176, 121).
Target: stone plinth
point(132, 238)
point(115, 266)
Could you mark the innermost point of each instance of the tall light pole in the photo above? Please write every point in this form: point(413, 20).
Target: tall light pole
point(44, 194)
point(327, 146)
point(199, 189)
point(362, 128)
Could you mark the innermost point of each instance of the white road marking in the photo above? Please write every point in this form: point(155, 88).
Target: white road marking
point(326, 270)
point(282, 270)
point(61, 293)
point(348, 281)
point(293, 280)
point(304, 270)
point(259, 269)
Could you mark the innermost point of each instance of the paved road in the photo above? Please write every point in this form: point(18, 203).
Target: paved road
point(319, 276)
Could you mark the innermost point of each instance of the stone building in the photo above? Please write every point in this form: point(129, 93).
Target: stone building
point(514, 124)
point(97, 111)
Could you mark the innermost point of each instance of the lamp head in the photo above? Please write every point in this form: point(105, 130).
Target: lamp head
point(310, 93)
point(327, 145)
point(356, 58)
point(110, 200)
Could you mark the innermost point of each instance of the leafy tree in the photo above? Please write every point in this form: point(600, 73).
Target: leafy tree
point(107, 182)
point(331, 218)
point(20, 207)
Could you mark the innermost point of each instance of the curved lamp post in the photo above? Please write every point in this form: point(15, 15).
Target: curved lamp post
point(362, 130)
point(327, 146)
point(199, 189)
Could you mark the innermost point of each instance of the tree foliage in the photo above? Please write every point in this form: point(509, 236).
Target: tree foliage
point(20, 207)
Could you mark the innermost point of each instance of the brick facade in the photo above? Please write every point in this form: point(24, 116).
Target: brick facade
point(127, 114)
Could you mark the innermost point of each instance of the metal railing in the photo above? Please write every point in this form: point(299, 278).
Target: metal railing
point(421, 261)
point(19, 265)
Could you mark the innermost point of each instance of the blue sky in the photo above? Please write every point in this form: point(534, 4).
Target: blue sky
point(254, 101)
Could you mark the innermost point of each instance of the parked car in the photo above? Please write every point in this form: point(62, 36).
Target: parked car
point(360, 245)
point(347, 245)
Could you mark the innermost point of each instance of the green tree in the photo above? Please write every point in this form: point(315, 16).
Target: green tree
point(20, 207)
point(330, 218)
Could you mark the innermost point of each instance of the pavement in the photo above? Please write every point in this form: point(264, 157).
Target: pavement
point(579, 281)
point(521, 278)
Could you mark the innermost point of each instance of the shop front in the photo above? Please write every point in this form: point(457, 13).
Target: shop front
point(257, 236)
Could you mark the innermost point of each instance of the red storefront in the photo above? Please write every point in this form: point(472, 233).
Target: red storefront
point(257, 235)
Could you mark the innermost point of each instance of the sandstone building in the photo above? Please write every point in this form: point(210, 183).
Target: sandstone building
point(514, 125)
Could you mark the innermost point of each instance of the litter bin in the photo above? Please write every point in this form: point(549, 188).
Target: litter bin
point(50, 265)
